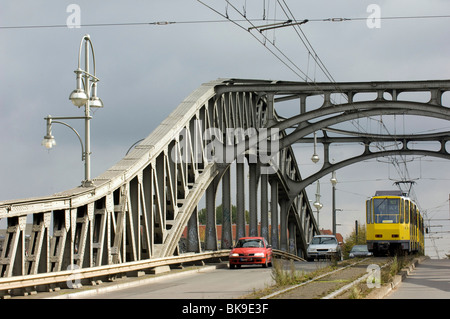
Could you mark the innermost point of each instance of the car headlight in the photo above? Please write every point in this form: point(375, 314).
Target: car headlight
point(259, 255)
point(351, 255)
point(234, 255)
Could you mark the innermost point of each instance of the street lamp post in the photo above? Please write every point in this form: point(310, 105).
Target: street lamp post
point(333, 181)
point(81, 96)
point(315, 158)
point(317, 204)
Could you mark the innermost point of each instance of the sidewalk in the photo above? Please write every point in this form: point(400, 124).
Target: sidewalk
point(430, 280)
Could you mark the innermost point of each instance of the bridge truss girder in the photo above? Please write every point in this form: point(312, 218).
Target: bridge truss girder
point(330, 113)
point(139, 208)
point(400, 108)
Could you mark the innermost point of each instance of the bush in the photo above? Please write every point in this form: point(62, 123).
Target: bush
point(354, 239)
point(283, 276)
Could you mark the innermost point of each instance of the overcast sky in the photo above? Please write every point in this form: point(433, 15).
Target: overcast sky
point(146, 70)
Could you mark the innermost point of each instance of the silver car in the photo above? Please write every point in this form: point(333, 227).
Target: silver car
point(359, 251)
point(324, 246)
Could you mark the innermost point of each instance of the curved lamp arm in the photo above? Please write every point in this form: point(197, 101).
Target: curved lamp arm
point(49, 140)
point(88, 39)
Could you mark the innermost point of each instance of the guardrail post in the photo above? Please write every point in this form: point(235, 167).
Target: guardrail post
point(58, 246)
point(13, 252)
point(37, 258)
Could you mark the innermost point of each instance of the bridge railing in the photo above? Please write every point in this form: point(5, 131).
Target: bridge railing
point(72, 278)
point(76, 277)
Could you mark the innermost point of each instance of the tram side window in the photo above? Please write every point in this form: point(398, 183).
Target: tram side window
point(386, 210)
point(369, 212)
point(421, 225)
point(415, 217)
point(402, 211)
point(407, 211)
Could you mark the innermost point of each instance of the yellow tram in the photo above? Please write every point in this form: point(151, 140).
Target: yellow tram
point(394, 224)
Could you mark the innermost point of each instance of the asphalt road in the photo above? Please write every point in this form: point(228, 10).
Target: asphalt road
point(217, 284)
point(430, 280)
point(222, 283)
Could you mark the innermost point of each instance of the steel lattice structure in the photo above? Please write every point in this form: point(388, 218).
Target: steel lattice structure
point(226, 129)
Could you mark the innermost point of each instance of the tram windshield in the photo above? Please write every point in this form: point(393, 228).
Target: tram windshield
point(386, 210)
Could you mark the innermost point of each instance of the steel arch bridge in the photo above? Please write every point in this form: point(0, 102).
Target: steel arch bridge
point(225, 133)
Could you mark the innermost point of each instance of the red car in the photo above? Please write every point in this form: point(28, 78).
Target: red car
point(251, 251)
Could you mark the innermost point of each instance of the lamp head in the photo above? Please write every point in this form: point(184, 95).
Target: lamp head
point(318, 205)
point(315, 158)
point(95, 101)
point(78, 96)
point(48, 142)
point(333, 179)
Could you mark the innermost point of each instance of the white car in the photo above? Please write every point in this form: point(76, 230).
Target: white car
point(324, 246)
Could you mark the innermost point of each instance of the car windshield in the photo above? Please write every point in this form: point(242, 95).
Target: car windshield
point(323, 241)
point(360, 248)
point(255, 243)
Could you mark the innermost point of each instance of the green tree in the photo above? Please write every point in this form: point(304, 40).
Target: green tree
point(355, 238)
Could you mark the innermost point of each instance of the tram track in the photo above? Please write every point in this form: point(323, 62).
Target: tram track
point(333, 283)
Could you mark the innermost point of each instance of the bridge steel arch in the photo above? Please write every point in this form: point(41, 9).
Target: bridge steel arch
point(141, 207)
point(330, 113)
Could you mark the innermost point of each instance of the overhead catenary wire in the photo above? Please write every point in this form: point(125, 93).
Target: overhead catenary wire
point(288, 62)
point(311, 52)
point(112, 24)
point(287, 11)
point(120, 24)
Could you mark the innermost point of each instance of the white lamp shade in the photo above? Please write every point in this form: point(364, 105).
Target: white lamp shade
point(78, 97)
point(48, 142)
point(95, 102)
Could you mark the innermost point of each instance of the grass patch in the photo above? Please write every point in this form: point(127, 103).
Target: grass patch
point(283, 277)
point(361, 290)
